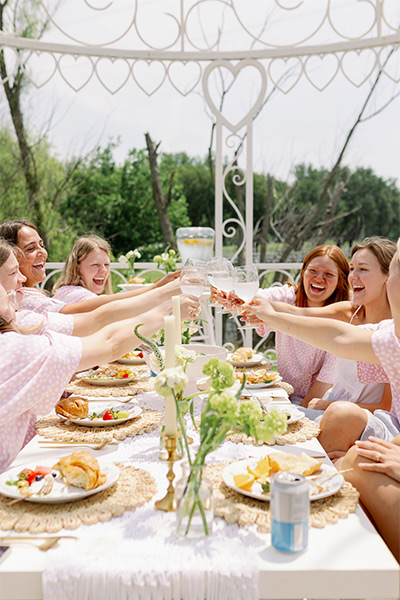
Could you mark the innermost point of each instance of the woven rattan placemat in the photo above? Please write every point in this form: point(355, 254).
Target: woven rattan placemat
point(300, 431)
point(133, 488)
point(237, 508)
point(57, 429)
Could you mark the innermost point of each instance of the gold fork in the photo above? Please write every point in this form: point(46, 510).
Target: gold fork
point(48, 542)
point(93, 446)
point(46, 488)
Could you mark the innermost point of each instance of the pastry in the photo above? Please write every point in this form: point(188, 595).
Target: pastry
point(242, 355)
point(80, 469)
point(73, 407)
point(303, 464)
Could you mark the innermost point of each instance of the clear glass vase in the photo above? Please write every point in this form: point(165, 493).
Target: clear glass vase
point(194, 503)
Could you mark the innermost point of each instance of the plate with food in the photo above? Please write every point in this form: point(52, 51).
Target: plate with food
point(259, 378)
point(72, 478)
point(107, 376)
point(292, 415)
point(134, 357)
point(105, 416)
point(252, 476)
point(245, 357)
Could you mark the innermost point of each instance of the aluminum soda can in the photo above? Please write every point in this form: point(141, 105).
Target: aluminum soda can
point(290, 509)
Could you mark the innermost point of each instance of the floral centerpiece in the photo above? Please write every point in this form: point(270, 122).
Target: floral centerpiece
point(222, 414)
point(129, 259)
point(167, 261)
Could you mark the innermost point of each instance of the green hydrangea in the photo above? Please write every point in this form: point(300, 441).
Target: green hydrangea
point(221, 373)
point(224, 404)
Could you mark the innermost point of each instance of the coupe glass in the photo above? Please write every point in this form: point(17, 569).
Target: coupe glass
point(193, 280)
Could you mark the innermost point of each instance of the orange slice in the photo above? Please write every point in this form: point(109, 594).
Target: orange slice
point(244, 481)
point(262, 468)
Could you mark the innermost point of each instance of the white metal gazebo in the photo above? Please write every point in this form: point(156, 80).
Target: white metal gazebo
point(196, 41)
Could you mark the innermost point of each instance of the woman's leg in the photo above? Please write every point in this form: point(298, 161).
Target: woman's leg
point(341, 425)
point(380, 494)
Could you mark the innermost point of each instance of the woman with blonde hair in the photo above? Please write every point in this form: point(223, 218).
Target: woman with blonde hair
point(86, 272)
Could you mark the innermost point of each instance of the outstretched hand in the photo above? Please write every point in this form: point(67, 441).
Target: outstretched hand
point(384, 456)
point(167, 278)
point(257, 311)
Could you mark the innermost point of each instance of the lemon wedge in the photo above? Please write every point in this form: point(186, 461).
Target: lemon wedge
point(244, 481)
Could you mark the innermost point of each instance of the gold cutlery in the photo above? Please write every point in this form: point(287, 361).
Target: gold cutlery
point(26, 492)
point(47, 543)
point(326, 476)
point(93, 445)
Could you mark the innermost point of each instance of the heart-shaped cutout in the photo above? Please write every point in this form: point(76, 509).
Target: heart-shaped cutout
point(112, 73)
point(76, 70)
point(321, 70)
point(184, 76)
point(358, 65)
point(233, 72)
point(285, 72)
point(149, 75)
point(42, 67)
point(392, 67)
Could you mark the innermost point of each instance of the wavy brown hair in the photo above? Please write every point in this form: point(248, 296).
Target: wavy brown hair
point(382, 248)
point(342, 289)
point(79, 251)
point(9, 230)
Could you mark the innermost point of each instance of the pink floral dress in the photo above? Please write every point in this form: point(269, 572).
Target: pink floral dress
point(71, 294)
point(34, 372)
point(298, 363)
point(386, 346)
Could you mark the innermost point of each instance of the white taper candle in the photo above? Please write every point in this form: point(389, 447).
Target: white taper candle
point(169, 345)
point(176, 311)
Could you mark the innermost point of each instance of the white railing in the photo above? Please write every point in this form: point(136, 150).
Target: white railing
point(213, 326)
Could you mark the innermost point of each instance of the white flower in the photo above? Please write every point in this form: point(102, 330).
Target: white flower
point(123, 260)
point(129, 254)
point(136, 253)
point(170, 380)
point(184, 356)
point(164, 256)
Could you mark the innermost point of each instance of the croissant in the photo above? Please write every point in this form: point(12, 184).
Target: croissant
point(81, 469)
point(73, 407)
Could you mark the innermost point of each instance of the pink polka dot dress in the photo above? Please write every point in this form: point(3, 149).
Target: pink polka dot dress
point(71, 294)
point(33, 299)
point(386, 346)
point(34, 372)
point(298, 363)
point(28, 321)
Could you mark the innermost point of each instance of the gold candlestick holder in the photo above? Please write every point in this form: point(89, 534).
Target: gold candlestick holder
point(168, 503)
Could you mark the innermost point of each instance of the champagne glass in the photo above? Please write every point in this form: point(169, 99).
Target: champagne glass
point(193, 280)
point(220, 275)
point(245, 283)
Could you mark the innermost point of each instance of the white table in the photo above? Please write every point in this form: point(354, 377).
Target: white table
point(345, 560)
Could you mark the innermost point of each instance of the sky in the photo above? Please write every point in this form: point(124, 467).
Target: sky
point(304, 125)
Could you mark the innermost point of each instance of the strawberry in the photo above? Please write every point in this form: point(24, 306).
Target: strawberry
point(107, 416)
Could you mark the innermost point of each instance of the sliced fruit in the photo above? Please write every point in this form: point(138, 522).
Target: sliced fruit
point(244, 481)
point(262, 468)
point(122, 414)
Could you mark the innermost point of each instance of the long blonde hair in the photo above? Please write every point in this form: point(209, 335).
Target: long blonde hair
point(79, 251)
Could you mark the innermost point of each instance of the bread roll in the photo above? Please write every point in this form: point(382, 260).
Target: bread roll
point(74, 407)
point(81, 469)
point(303, 464)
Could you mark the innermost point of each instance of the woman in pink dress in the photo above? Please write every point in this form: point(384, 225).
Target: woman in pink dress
point(32, 262)
point(86, 272)
point(323, 281)
point(36, 368)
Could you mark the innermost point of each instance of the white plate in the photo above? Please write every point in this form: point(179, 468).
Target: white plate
point(108, 381)
point(332, 486)
point(257, 358)
point(295, 415)
point(259, 386)
point(86, 422)
point(60, 492)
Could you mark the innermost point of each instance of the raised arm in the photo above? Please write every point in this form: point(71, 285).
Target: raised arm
point(90, 322)
point(93, 303)
point(115, 340)
point(341, 339)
